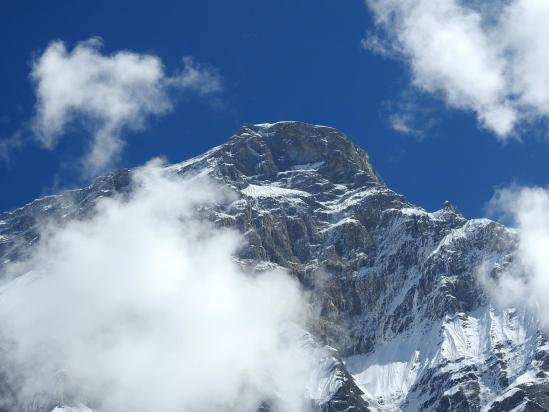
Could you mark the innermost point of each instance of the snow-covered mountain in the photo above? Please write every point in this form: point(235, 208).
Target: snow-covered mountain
point(403, 322)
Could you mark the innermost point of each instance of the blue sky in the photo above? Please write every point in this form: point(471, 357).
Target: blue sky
point(277, 60)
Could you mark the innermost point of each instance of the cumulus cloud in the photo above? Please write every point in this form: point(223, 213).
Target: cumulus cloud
point(525, 281)
point(106, 95)
point(143, 308)
point(488, 58)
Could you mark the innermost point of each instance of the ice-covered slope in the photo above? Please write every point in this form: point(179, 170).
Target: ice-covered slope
point(395, 286)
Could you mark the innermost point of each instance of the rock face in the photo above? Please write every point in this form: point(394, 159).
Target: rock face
point(396, 286)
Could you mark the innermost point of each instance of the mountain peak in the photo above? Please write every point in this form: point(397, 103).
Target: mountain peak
point(269, 148)
point(396, 288)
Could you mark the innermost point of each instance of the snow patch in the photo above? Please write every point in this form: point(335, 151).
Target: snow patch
point(342, 222)
point(460, 233)
point(389, 372)
point(351, 198)
point(181, 165)
point(78, 408)
point(413, 211)
point(308, 166)
point(326, 383)
point(272, 191)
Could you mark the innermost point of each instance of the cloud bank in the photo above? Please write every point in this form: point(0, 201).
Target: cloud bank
point(489, 58)
point(106, 95)
point(525, 282)
point(142, 308)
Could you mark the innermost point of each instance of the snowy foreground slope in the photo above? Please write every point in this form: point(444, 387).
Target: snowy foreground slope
point(405, 323)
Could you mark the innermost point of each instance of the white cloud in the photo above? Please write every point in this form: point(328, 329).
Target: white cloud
point(489, 59)
point(401, 123)
point(525, 282)
point(142, 308)
point(526, 32)
point(408, 116)
point(197, 77)
point(106, 94)
point(10, 144)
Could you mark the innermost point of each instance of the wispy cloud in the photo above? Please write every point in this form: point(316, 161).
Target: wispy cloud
point(486, 58)
point(524, 282)
point(197, 77)
point(10, 144)
point(143, 308)
point(409, 116)
point(107, 95)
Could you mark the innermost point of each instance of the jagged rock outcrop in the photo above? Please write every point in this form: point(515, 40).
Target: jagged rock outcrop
point(396, 286)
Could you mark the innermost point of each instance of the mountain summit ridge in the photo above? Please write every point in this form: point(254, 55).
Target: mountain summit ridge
point(263, 150)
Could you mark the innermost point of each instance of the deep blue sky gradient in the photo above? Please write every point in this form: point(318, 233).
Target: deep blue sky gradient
point(280, 60)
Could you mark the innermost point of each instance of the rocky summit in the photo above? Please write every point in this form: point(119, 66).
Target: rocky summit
point(402, 319)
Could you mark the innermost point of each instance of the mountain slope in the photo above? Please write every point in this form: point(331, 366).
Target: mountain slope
point(395, 286)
